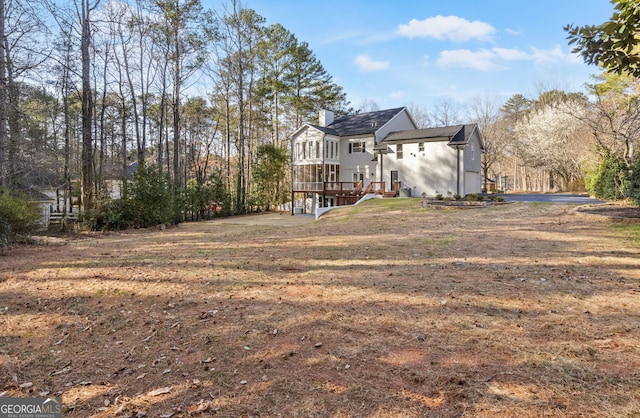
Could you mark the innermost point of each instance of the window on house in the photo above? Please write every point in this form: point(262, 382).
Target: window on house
point(355, 147)
point(420, 146)
point(318, 148)
point(399, 154)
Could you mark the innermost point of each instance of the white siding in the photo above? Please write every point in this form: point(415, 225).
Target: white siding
point(472, 182)
point(357, 162)
point(472, 165)
point(430, 172)
point(473, 154)
point(304, 145)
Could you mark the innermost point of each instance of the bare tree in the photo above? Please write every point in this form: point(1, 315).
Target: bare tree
point(485, 111)
point(368, 105)
point(4, 107)
point(88, 166)
point(186, 28)
point(445, 112)
point(420, 115)
point(615, 115)
point(22, 49)
point(240, 38)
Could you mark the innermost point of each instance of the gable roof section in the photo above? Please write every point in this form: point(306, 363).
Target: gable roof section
point(306, 125)
point(454, 135)
point(325, 129)
point(363, 123)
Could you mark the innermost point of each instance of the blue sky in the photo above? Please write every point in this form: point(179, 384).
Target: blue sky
point(425, 51)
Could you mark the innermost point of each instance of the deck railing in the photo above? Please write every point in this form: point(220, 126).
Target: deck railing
point(301, 186)
point(346, 188)
point(343, 187)
point(376, 187)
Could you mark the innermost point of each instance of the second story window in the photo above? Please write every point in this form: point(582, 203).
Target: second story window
point(355, 147)
point(399, 154)
point(420, 146)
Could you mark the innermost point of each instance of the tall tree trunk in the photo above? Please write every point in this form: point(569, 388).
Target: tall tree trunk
point(140, 141)
point(4, 107)
point(176, 107)
point(162, 116)
point(13, 115)
point(88, 177)
point(67, 130)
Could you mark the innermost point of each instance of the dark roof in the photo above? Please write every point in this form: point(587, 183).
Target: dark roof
point(362, 123)
point(326, 130)
point(457, 134)
point(131, 169)
point(35, 195)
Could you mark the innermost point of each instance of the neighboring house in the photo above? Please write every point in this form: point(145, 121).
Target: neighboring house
point(382, 152)
point(51, 204)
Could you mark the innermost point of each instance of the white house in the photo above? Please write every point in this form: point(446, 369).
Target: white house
point(382, 152)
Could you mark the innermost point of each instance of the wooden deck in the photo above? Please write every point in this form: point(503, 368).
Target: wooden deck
point(348, 192)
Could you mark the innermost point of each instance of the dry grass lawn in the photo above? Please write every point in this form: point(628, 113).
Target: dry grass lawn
point(383, 310)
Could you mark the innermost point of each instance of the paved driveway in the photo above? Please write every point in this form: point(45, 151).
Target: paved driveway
point(579, 199)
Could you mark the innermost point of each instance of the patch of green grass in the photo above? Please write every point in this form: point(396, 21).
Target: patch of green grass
point(628, 231)
point(440, 244)
point(405, 204)
point(374, 205)
point(540, 204)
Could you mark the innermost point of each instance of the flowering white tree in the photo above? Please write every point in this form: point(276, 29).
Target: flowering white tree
point(555, 140)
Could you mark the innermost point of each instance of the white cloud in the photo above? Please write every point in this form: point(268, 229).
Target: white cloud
point(550, 56)
point(510, 54)
point(497, 58)
point(398, 95)
point(482, 60)
point(514, 32)
point(453, 28)
point(367, 64)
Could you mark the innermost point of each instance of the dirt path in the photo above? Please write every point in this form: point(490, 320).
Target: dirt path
point(382, 310)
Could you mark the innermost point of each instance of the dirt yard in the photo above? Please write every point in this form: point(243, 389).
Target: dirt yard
point(382, 310)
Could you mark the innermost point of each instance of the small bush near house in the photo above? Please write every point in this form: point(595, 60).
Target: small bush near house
point(439, 196)
point(148, 203)
point(475, 197)
point(22, 215)
point(151, 202)
point(112, 215)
